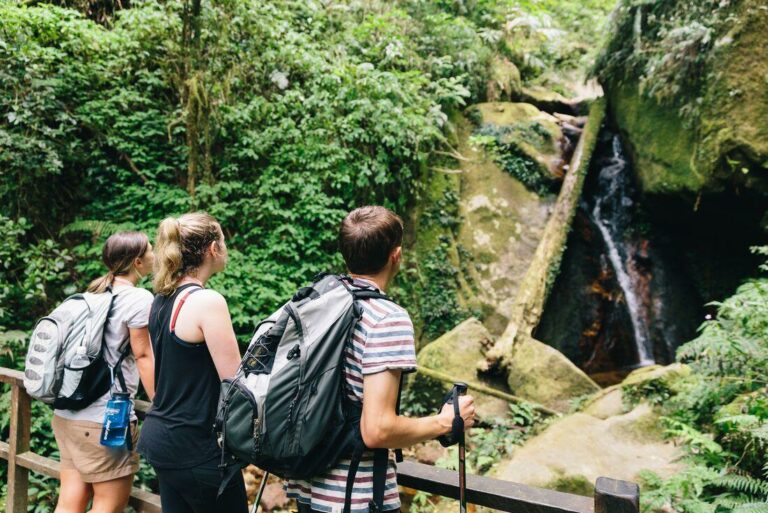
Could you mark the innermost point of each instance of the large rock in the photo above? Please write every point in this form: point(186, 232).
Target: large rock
point(667, 374)
point(551, 101)
point(527, 131)
point(543, 374)
point(502, 223)
point(574, 451)
point(457, 354)
point(725, 144)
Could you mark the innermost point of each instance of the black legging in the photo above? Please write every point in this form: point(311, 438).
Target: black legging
point(193, 490)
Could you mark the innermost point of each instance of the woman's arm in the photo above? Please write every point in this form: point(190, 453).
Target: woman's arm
point(219, 335)
point(145, 358)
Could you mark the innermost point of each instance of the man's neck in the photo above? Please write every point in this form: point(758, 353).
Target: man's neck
point(381, 280)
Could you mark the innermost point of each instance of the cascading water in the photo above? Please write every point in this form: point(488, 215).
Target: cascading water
point(611, 215)
point(638, 270)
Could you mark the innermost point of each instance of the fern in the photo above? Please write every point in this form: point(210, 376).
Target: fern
point(756, 488)
point(97, 229)
point(752, 507)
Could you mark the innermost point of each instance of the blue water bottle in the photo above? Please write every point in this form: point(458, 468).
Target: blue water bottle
point(117, 417)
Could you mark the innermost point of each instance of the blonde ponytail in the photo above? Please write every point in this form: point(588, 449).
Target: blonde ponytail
point(118, 254)
point(168, 259)
point(180, 248)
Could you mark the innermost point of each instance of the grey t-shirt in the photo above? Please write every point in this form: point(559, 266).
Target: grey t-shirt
point(130, 309)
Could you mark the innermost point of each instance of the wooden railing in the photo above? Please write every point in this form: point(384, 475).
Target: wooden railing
point(611, 495)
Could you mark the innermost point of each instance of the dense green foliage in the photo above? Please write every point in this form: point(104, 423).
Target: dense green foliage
point(719, 413)
point(277, 118)
point(306, 113)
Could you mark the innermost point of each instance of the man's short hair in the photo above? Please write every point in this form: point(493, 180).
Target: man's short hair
point(367, 236)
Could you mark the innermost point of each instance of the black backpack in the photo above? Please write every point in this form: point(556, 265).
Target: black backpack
point(286, 410)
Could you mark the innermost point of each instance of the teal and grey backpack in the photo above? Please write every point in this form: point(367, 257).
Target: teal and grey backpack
point(65, 364)
point(287, 410)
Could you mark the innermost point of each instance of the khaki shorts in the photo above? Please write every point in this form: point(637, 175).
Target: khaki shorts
point(81, 450)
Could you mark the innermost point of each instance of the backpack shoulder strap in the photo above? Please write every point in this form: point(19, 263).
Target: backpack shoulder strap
point(380, 463)
point(181, 303)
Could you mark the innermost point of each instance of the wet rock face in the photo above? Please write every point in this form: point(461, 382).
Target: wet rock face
point(724, 147)
point(505, 83)
point(621, 298)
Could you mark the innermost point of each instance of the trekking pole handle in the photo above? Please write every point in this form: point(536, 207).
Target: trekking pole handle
point(457, 429)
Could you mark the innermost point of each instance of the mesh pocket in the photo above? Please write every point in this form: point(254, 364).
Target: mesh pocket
point(71, 381)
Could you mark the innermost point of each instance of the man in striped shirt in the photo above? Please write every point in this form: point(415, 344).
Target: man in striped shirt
point(381, 349)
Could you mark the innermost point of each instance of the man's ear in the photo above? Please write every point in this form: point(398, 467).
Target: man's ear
point(396, 255)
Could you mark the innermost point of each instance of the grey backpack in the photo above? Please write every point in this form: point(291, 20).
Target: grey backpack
point(65, 367)
point(287, 410)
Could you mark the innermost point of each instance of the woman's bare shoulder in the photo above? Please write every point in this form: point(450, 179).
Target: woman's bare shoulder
point(209, 298)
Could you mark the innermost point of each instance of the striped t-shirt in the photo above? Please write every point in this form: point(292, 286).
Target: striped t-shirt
point(382, 340)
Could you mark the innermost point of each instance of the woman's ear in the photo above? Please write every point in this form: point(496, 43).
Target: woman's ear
point(138, 264)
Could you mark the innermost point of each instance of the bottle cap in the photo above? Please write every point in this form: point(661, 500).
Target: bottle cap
point(121, 395)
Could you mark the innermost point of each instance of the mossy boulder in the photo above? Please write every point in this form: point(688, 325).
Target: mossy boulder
point(457, 354)
point(543, 374)
point(502, 224)
point(574, 451)
point(709, 138)
point(668, 374)
point(522, 131)
point(552, 101)
point(505, 83)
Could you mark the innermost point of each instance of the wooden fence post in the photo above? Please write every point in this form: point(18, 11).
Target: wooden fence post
point(615, 496)
point(18, 477)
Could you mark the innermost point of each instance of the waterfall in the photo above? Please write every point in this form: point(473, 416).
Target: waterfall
point(611, 215)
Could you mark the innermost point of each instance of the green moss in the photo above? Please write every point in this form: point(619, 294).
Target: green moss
point(430, 283)
point(661, 146)
point(578, 485)
point(523, 141)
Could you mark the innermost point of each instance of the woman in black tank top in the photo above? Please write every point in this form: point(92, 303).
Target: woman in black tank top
point(195, 348)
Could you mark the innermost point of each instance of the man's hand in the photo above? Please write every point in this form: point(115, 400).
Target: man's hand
point(466, 410)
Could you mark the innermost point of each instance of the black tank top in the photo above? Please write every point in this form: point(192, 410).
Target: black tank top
point(178, 429)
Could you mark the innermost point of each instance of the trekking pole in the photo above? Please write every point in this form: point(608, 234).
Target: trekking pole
point(457, 435)
point(261, 491)
point(461, 389)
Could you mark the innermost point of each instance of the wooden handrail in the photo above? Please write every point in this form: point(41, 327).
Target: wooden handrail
point(611, 496)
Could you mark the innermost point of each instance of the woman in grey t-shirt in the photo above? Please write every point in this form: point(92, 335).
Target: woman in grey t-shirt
point(89, 469)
